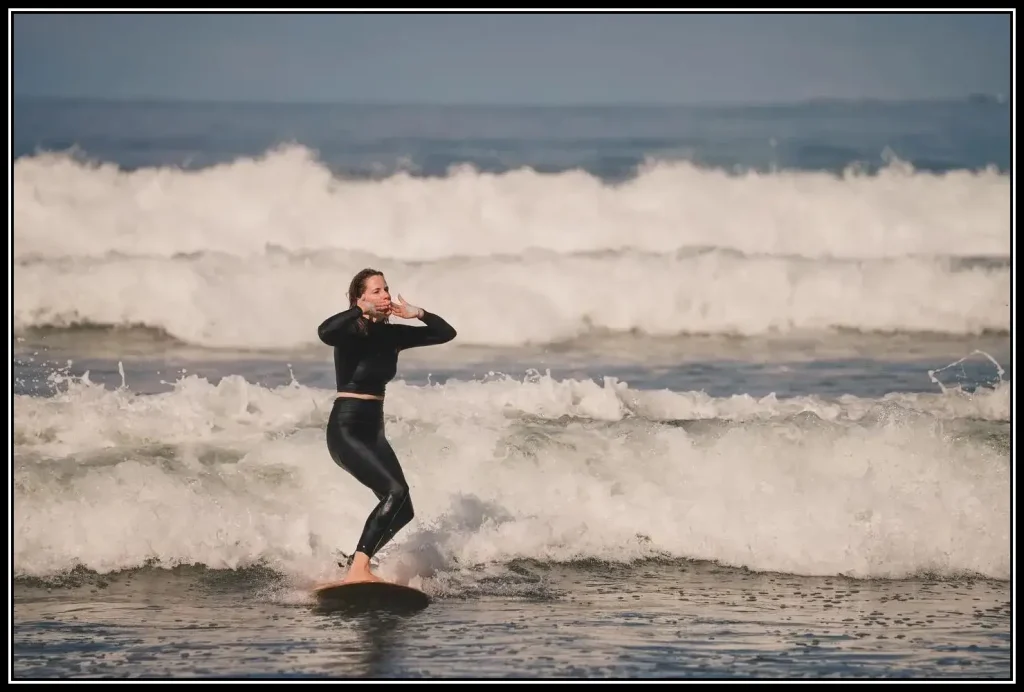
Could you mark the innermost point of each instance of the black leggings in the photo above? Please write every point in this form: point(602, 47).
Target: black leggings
point(355, 439)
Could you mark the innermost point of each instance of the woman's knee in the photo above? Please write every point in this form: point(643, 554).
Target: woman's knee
point(402, 503)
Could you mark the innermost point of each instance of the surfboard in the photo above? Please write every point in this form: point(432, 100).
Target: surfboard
point(369, 596)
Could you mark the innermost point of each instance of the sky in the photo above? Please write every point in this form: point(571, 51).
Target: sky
point(511, 59)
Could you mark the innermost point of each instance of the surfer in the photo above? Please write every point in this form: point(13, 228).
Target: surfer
point(366, 347)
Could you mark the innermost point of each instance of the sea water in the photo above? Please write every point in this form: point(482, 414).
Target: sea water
point(731, 393)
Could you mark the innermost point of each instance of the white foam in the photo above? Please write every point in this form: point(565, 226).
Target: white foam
point(277, 301)
point(231, 474)
point(287, 199)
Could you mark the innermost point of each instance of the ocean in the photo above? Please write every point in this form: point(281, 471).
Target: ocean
point(731, 394)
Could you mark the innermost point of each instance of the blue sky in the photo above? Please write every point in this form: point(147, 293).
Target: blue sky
point(511, 59)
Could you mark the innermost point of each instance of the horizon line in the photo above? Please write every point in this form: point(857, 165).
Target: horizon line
point(976, 97)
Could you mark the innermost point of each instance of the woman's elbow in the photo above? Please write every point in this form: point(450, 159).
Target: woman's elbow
point(326, 335)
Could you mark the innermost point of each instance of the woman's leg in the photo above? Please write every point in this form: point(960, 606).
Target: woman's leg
point(355, 439)
point(395, 509)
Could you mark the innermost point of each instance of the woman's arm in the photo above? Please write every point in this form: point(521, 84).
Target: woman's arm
point(436, 331)
point(336, 328)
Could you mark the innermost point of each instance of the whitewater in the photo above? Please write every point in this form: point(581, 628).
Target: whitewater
point(256, 252)
point(234, 474)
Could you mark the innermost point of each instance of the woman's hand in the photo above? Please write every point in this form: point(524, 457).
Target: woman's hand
point(372, 309)
point(404, 310)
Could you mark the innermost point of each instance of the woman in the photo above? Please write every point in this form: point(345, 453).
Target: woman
point(366, 347)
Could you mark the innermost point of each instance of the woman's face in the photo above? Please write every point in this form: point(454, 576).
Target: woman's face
point(377, 292)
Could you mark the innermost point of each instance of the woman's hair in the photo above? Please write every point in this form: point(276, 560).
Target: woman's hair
point(356, 288)
point(358, 284)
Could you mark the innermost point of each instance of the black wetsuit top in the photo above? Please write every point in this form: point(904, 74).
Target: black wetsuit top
point(366, 352)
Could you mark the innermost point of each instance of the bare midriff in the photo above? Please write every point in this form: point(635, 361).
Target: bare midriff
point(351, 395)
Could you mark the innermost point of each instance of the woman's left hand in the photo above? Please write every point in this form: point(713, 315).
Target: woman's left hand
point(400, 308)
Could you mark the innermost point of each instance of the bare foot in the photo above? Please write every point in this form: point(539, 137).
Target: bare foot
point(360, 570)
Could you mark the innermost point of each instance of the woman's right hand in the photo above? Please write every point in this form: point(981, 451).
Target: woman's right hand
point(371, 309)
point(367, 307)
